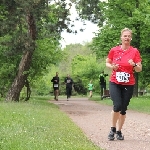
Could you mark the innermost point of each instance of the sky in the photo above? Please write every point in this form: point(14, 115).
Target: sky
point(80, 37)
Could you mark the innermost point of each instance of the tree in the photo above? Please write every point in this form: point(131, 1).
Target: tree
point(87, 68)
point(120, 14)
point(22, 23)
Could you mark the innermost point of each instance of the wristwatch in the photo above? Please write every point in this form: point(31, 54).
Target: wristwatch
point(135, 65)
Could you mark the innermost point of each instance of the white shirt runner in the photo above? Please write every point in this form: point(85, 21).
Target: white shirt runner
point(122, 76)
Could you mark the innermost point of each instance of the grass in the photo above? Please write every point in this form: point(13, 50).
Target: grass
point(140, 104)
point(39, 125)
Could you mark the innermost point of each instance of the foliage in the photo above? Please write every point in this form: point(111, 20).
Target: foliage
point(89, 9)
point(121, 14)
point(50, 19)
point(78, 61)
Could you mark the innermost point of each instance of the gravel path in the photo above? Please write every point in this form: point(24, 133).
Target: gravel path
point(94, 120)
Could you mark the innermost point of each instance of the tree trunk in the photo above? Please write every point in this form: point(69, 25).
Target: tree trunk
point(24, 66)
point(28, 90)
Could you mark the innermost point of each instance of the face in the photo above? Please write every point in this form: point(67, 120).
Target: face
point(126, 37)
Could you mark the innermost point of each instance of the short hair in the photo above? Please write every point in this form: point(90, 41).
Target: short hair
point(126, 29)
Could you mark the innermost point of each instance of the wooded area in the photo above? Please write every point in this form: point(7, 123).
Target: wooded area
point(30, 48)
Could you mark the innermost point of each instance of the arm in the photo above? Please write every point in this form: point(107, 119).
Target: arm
point(137, 66)
point(52, 80)
point(136, 62)
point(110, 65)
point(58, 80)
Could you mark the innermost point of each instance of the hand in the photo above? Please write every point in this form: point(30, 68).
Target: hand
point(131, 62)
point(115, 66)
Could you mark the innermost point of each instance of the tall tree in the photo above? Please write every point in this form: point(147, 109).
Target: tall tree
point(118, 15)
point(22, 23)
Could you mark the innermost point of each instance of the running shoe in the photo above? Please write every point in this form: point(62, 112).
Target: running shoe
point(119, 135)
point(111, 136)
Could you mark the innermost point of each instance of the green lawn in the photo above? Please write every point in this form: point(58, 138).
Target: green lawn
point(140, 104)
point(39, 125)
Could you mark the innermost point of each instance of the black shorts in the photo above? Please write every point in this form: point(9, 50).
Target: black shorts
point(102, 86)
point(120, 95)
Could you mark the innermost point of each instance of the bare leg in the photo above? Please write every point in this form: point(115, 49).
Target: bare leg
point(114, 118)
point(120, 122)
point(56, 94)
point(90, 94)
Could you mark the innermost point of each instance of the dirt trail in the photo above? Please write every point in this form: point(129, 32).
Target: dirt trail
point(94, 120)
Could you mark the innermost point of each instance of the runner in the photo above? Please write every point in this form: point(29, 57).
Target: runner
point(69, 83)
point(55, 81)
point(102, 81)
point(90, 88)
point(123, 60)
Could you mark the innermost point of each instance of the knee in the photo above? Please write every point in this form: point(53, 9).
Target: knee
point(122, 112)
point(117, 108)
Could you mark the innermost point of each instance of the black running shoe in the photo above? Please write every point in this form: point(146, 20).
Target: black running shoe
point(111, 135)
point(119, 135)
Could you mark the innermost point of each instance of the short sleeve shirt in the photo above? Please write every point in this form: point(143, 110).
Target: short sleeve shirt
point(90, 86)
point(125, 73)
point(68, 82)
point(55, 83)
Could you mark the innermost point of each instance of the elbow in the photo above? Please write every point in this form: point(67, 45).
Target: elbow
point(138, 69)
point(107, 64)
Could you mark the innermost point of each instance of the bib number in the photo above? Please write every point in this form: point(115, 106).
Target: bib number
point(68, 81)
point(122, 77)
point(55, 85)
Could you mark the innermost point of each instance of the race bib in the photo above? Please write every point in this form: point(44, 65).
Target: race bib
point(68, 81)
point(55, 85)
point(122, 76)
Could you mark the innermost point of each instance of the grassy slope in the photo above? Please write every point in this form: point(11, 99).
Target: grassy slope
point(39, 125)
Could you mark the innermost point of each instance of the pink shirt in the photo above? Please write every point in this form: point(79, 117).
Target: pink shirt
point(124, 74)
